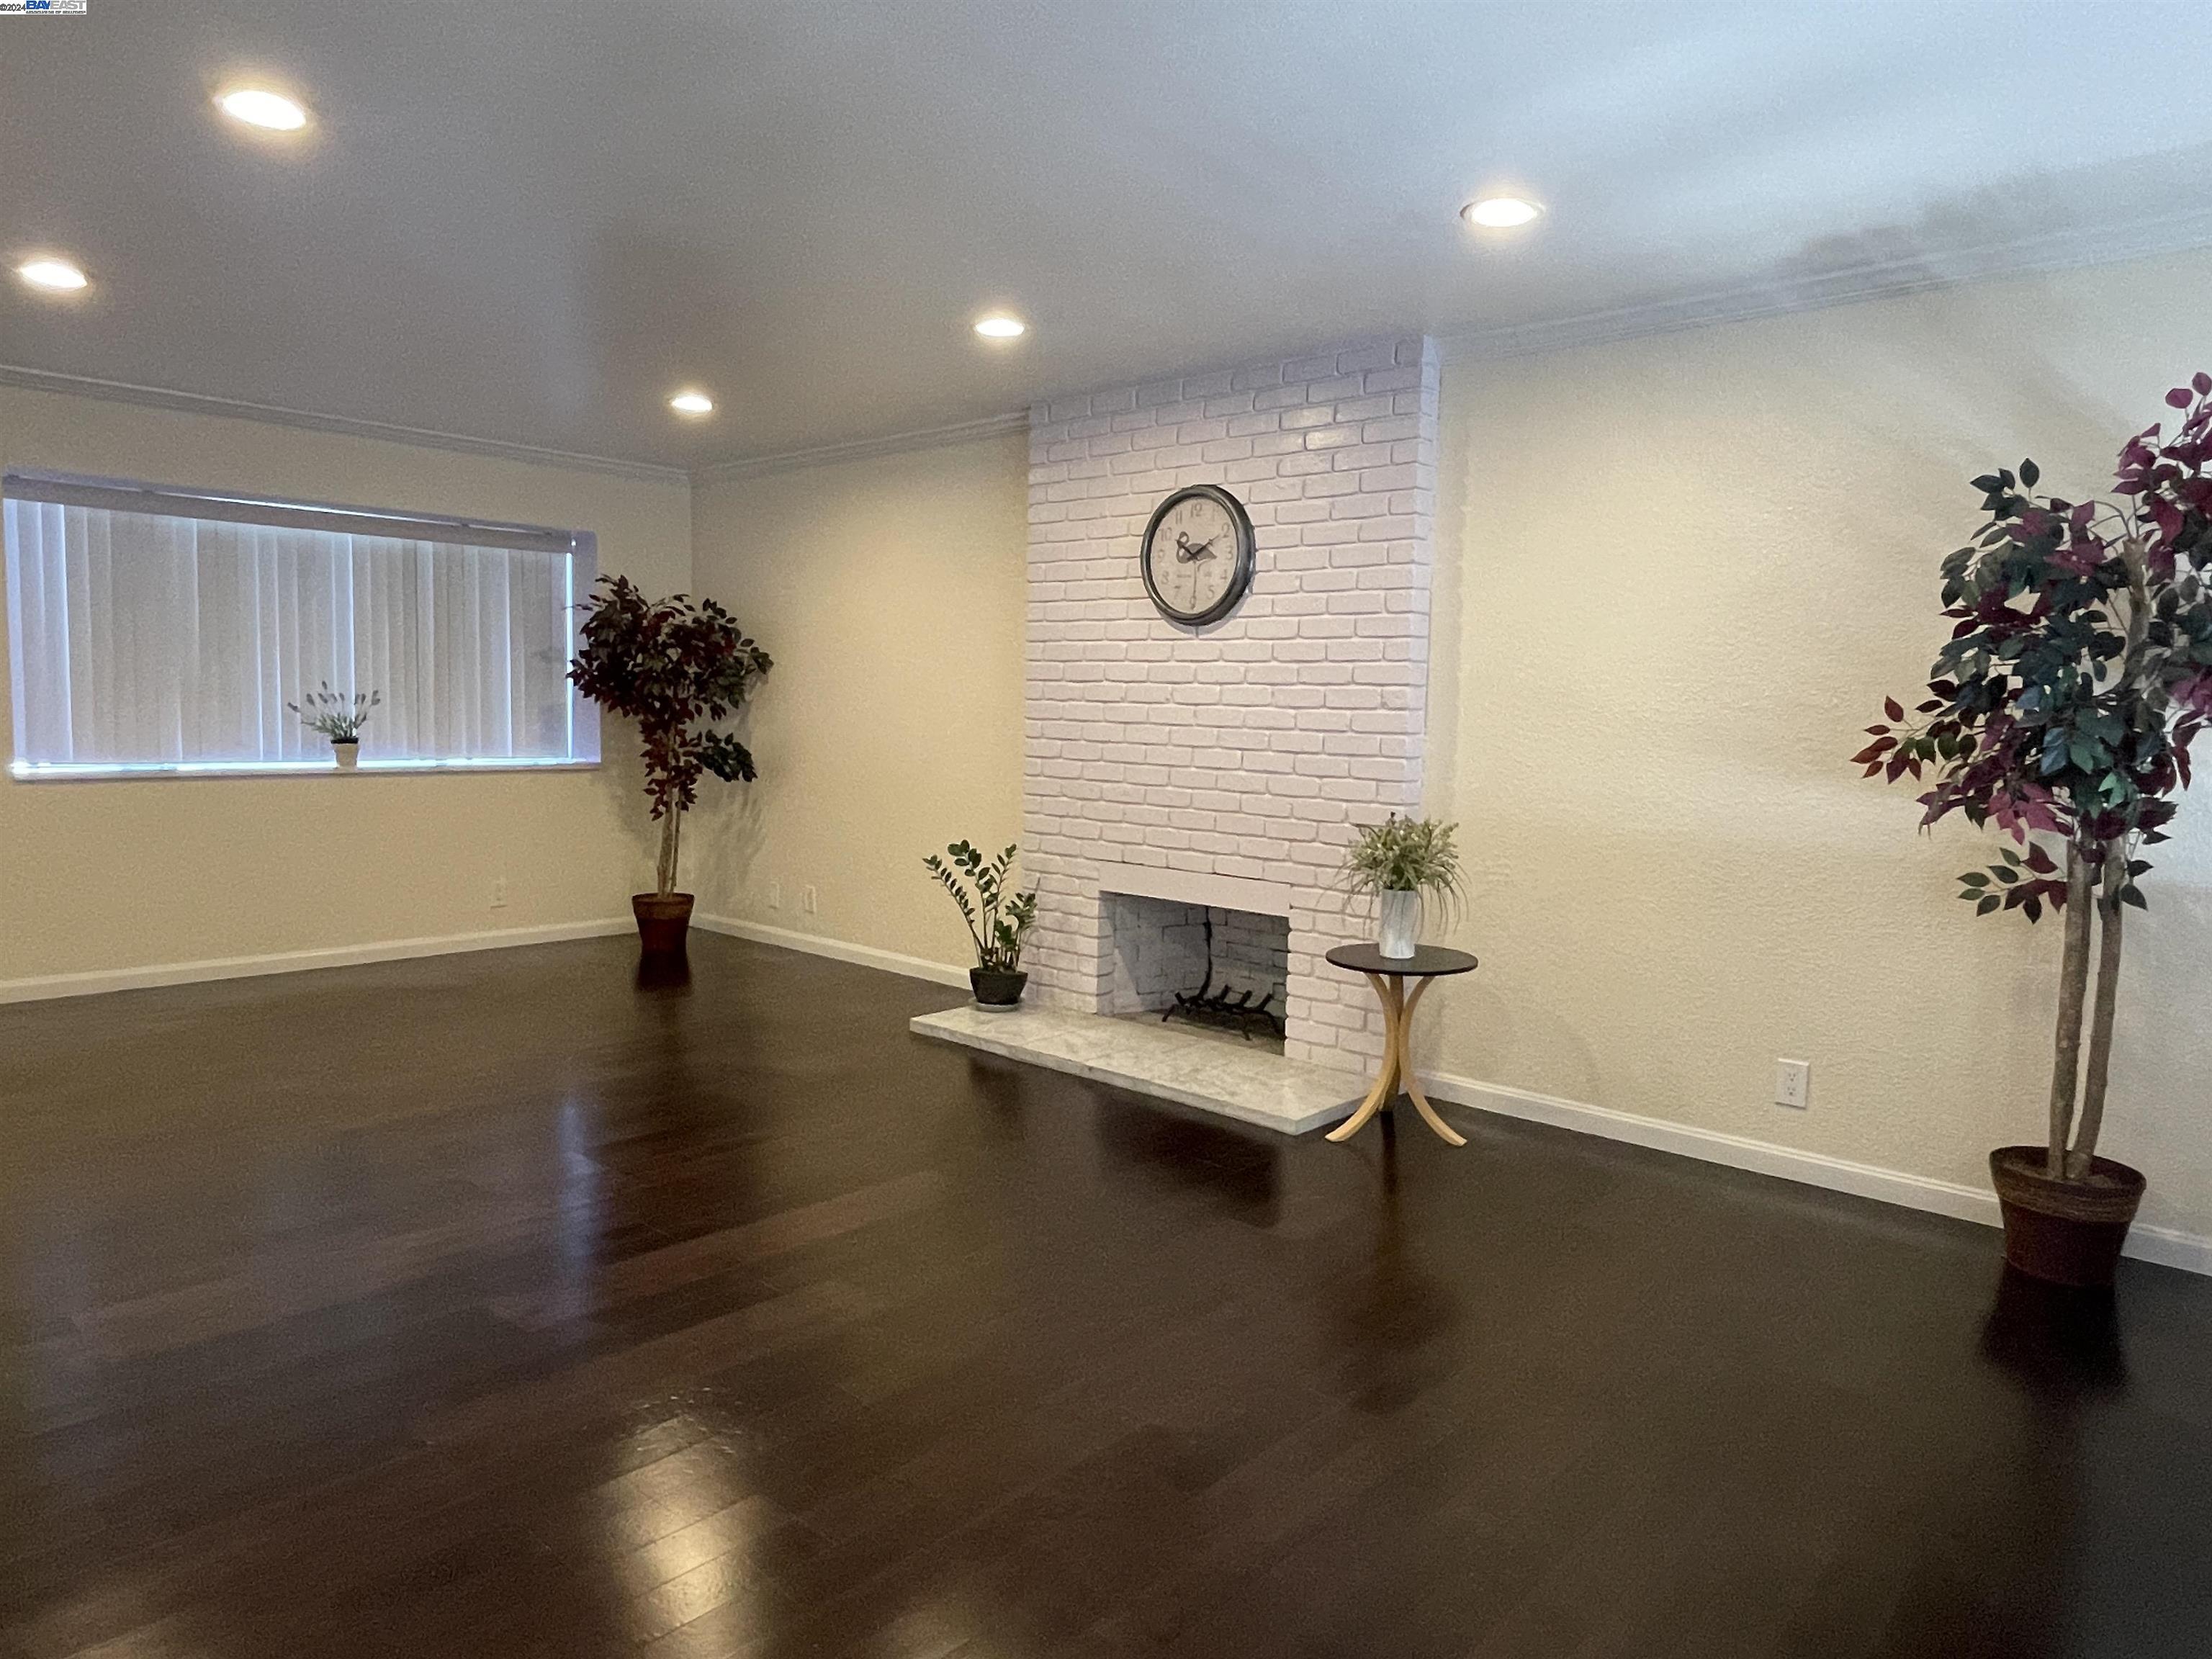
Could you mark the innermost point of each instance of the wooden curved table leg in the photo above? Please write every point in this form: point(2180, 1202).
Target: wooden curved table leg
point(1375, 1096)
point(1403, 1064)
point(1392, 993)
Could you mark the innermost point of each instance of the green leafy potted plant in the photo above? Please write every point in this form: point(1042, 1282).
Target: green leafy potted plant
point(2078, 673)
point(674, 667)
point(998, 917)
point(1399, 862)
point(338, 717)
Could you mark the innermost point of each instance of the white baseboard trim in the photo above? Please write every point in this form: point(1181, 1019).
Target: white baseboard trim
point(293, 962)
point(2168, 1246)
point(863, 955)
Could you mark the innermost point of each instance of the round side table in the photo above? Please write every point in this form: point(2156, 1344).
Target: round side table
point(1388, 975)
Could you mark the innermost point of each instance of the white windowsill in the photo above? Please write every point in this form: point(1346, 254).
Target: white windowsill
point(52, 772)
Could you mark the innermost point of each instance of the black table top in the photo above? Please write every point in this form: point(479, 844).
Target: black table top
point(1427, 962)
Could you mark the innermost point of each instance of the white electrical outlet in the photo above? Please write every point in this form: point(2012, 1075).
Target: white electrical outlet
point(1793, 1083)
point(774, 893)
point(806, 900)
point(499, 892)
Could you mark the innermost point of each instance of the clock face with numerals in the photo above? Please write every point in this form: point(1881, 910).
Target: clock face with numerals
point(1197, 555)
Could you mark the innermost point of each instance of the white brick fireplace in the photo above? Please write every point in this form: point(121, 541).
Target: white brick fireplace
point(1224, 765)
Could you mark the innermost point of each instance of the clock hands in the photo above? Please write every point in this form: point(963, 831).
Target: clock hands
point(1186, 551)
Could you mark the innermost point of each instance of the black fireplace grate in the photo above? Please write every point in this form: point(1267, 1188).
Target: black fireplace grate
point(1236, 1010)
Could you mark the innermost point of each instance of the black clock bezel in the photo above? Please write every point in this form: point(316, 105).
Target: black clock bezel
point(1240, 578)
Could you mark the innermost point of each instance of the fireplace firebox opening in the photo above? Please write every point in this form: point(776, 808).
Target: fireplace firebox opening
point(1211, 966)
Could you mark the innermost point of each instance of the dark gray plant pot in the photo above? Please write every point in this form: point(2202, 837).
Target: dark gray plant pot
point(994, 987)
point(2064, 1232)
point(664, 922)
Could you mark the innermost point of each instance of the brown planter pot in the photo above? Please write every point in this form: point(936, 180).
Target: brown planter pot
point(995, 989)
point(2066, 1232)
point(664, 922)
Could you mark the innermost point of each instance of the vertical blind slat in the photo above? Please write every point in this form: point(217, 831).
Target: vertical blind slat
point(138, 638)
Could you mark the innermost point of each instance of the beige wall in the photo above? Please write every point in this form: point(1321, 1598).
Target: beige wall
point(1687, 569)
point(1675, 577)
point(890, 593)
point(121, 874)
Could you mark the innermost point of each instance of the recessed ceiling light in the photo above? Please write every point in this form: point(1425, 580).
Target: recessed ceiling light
point(1002, 327)
point(257, 107)
point(692, 402)
point(56, 276)
point(1502, 212)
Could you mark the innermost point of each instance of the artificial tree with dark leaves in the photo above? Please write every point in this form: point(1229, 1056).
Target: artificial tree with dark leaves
point(674, 667)
point(2062, 709)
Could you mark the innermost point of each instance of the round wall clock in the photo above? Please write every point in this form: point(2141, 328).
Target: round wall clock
point(1197, 555)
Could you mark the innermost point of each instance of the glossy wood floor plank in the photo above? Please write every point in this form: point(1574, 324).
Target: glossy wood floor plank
point(503, 1304)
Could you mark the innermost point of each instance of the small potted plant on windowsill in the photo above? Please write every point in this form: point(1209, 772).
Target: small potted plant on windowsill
point(1399, 863)
point(674, 665)
point(2078, 672)
point(339, 718)
point(997, 919)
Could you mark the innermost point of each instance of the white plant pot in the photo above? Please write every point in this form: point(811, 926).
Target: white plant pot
point(347, 754)
point(1400, 921)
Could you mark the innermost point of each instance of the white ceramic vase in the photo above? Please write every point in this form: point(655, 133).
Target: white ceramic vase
point(347, 755)
point(1401, 923)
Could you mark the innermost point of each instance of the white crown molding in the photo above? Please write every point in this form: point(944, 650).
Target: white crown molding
point(194, 403)
point(1778, 295)
point(1873, 279)
point(859, 449)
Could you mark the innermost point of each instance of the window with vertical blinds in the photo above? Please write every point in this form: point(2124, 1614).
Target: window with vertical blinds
point(153, 629)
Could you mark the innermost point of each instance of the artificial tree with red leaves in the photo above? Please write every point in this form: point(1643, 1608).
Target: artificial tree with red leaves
point(2062, 709)
point(674, 665)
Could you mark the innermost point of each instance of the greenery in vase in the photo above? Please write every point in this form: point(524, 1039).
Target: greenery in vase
point(1406, 855)
point(2078, 672)
point(334, 714)
point(674, 665)
point(998, 916)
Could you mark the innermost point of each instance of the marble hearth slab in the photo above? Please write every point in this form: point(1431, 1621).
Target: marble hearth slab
point(1250, 1084)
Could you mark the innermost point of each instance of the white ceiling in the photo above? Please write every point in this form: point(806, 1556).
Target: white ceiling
point(528, 221)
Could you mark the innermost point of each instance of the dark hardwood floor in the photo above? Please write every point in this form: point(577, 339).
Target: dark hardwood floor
point(495, 1306)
